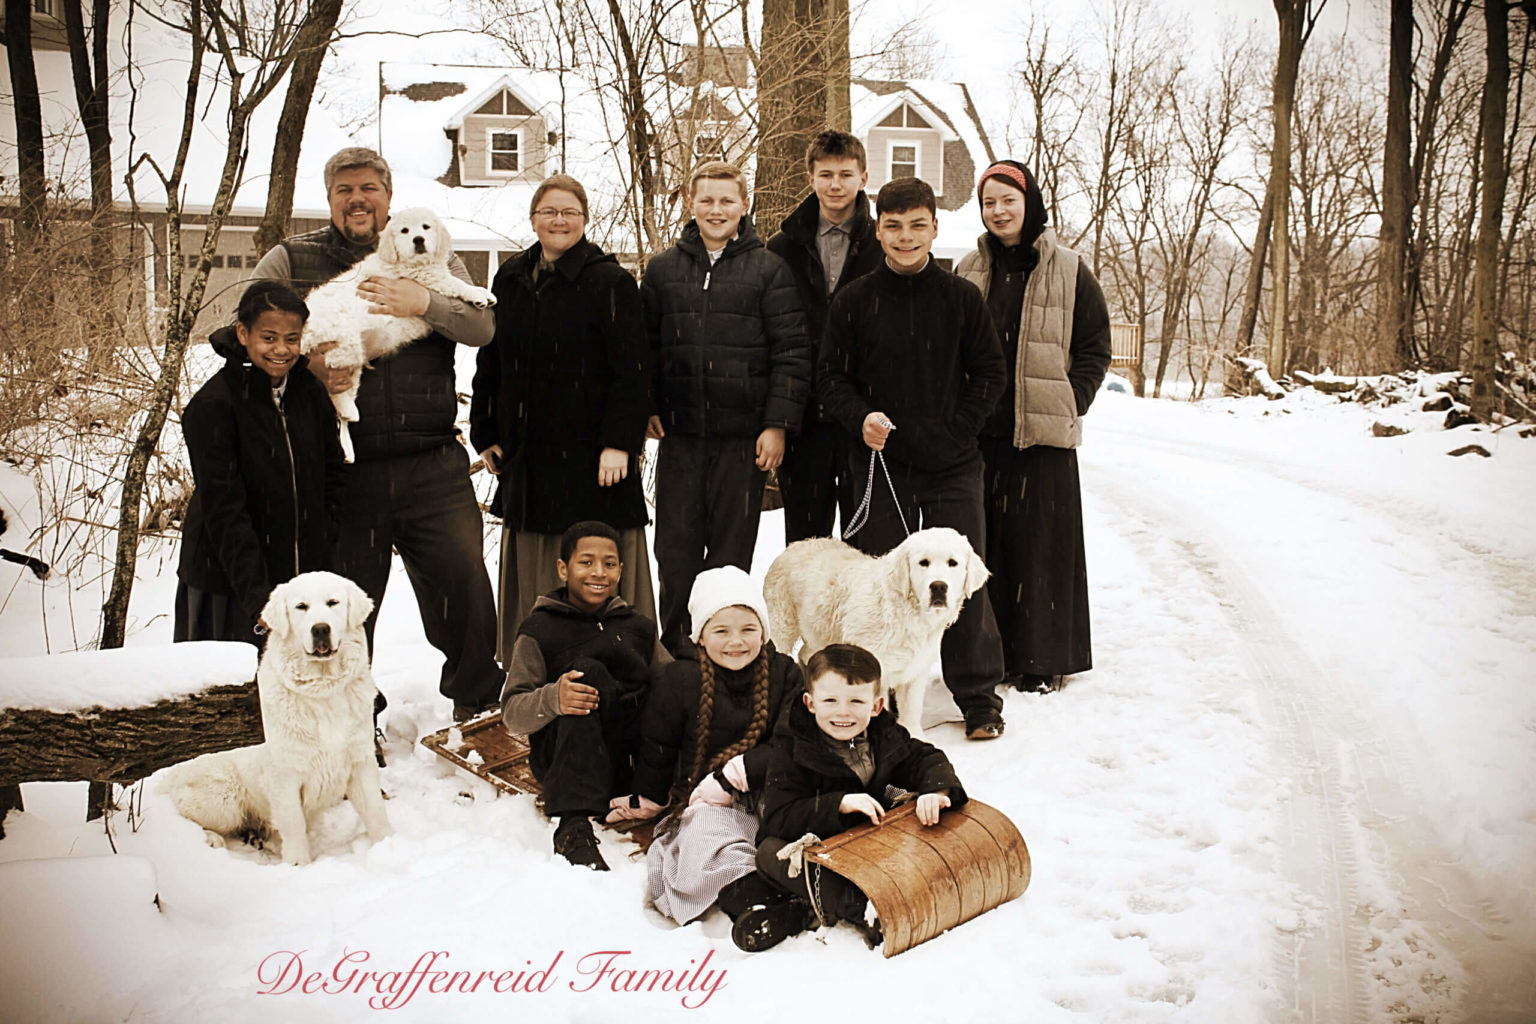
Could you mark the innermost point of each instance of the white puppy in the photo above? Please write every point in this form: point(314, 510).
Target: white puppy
point(896, 606)
point(317, 713)
point(414, 245)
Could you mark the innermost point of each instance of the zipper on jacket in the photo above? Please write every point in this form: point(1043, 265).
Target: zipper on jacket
point(293, 479)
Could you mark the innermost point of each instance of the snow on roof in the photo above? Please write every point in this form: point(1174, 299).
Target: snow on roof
point(949, 102)
point(128, 677)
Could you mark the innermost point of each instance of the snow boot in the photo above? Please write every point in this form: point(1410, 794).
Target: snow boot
point(766, 925)
point(746, 892)
point(575, 842)
point(983, 724)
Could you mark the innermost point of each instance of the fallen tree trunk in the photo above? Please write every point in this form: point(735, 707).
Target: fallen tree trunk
point(1255, 371)
point(124, 745)
point(1327, 384)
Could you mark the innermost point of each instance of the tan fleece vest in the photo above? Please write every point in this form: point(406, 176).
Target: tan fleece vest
point(1044, 407)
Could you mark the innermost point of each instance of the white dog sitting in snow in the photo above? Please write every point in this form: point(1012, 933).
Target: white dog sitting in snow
point(897, 606)
point(415, 245)
point(317, 713)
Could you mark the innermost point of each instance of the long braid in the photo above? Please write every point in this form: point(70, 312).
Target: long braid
point(701, 729)
point(759, 721)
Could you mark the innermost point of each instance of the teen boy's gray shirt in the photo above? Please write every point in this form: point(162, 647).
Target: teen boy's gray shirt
point(832, 245)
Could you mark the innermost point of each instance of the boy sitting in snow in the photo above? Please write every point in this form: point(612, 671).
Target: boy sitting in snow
point(580, 668)
point(839, 759)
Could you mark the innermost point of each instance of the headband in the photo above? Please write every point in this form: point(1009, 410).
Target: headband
point(1008, 171)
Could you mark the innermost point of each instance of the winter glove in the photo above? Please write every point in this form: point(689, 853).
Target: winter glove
point(632, 808)
point(709, 791)
point(735, 772)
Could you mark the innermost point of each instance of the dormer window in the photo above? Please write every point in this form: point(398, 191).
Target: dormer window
point(505, 152)
point(904, 159)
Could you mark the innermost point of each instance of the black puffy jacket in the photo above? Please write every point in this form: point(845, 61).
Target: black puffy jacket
point(728, 344)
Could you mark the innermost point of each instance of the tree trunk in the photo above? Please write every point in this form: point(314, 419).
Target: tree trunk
point(31, 177)
point(1485, 275)
point(1394, 325)
point(1253, 291)
point(92, 96)
point(839, 65)
point(792, 103)
point(313, 41)
point(1287, 63)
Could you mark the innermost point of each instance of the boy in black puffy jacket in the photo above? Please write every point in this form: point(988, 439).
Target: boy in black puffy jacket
point(840, 760)
point(732, 371)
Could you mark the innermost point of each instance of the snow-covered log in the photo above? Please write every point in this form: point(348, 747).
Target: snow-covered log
point(121, 715)
point(1258, 373)
point(1326, 382)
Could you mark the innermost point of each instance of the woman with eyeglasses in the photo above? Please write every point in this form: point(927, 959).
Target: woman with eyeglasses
point(560, 404)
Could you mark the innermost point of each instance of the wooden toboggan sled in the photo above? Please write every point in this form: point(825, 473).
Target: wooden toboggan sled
point(922, 879)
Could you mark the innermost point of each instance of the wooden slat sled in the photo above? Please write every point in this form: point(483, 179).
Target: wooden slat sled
point(500, 758)
point(926, 879)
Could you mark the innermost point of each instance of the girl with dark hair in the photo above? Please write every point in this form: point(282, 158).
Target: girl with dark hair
point(266, 466)
point(704, 746)
point(1054, 325)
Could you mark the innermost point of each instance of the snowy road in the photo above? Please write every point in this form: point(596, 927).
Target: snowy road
point(1295, 788)
point(1349, 607)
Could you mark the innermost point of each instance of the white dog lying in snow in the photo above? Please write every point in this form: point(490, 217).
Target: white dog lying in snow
point(317, 712)
point(414, 245)
point(896, 606)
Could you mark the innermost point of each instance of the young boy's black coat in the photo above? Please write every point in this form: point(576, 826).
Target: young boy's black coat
point(728, 342)
point(669, 723)
point(268, 483)
point(807, 780)
point(920, 348)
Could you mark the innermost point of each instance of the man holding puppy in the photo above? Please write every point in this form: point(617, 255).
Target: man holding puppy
point(409, 489)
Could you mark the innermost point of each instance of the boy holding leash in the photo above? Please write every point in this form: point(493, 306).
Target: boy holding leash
point(911, 365)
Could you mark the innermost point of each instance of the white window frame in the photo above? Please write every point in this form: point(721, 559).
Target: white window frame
point(890, 158)
point(491, 170)
point(47, 8)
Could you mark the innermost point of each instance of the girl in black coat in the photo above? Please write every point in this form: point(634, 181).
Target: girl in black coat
point(560, 404)
point(704, 745)
point(267, 467)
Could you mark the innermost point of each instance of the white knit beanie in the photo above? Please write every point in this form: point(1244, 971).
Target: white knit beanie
point(724, 587)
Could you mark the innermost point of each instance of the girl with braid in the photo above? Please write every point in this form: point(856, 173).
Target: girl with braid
point(704, 745)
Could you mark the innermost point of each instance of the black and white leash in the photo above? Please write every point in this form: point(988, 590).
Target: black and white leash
point(860, 516)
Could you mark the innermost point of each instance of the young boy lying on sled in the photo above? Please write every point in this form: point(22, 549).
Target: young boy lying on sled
point(839, 759)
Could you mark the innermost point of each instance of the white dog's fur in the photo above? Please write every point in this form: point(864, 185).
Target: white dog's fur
point(415, 245)
point(896, 606)
point(317, 712)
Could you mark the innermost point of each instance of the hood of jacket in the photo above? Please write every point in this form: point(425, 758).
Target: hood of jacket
point(1035, 218)
point(556, 602)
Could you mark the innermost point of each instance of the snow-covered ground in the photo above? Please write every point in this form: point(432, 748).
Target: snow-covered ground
point(1296, 787)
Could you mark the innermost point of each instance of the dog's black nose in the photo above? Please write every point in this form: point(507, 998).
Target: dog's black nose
point(938, 593)
point(420, 243)
point(320, 635)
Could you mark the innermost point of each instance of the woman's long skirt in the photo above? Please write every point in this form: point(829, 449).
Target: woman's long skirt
point(1039, 584)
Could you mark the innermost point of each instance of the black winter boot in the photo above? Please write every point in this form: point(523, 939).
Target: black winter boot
point(575, 842)
point(746, 892)
point(765, 926)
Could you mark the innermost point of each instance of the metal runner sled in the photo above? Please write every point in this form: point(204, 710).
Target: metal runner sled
point(925, 879)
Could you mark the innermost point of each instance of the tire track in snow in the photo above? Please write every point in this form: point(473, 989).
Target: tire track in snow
point(1384, 904)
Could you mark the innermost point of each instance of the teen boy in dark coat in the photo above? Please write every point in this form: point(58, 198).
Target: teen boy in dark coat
point(732, 368)
point(828, 241)
point(911, 366)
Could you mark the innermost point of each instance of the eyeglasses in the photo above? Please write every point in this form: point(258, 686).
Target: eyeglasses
point(546, 213)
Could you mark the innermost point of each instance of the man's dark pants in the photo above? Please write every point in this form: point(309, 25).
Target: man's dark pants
point(583, 761)
point(814, 481)
point(709, 497)
point(423, 506)
point(972, 650)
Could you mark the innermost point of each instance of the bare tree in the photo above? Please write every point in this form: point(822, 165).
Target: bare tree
point(792, 101)
point(31, 178)
point(89, 66)
point(1046, 88)
point(311, 44)
point(251, 58)
point(1395, 326)
point(1296, 20)
point(1485, 304)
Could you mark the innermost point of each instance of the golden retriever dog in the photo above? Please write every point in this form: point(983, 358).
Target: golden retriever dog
point(317, 711)
point(897, 605)
point(415, 245)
